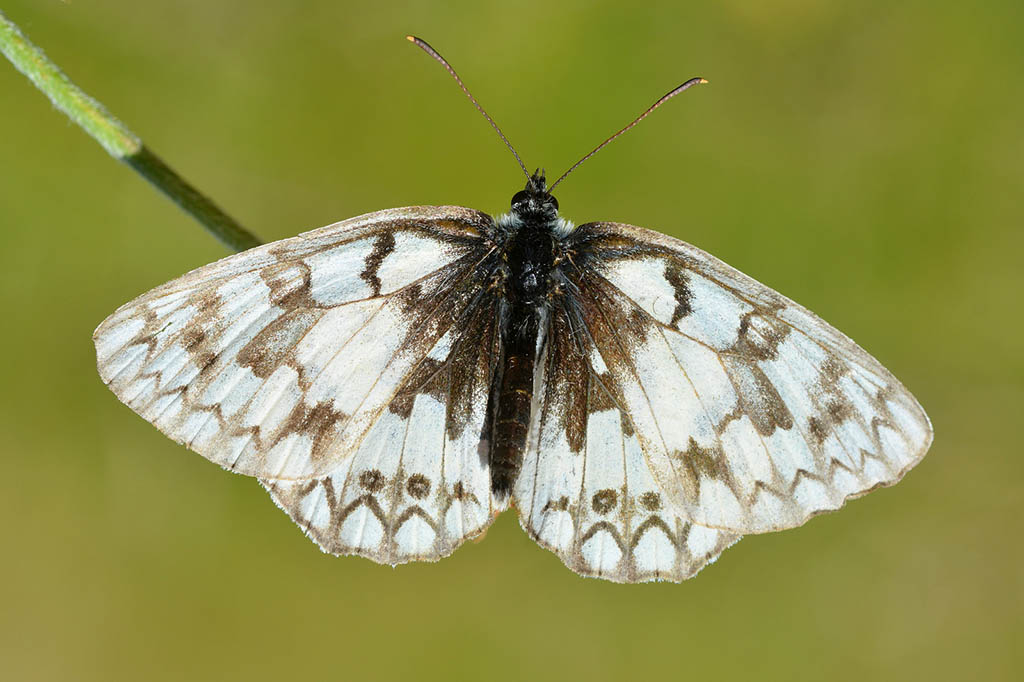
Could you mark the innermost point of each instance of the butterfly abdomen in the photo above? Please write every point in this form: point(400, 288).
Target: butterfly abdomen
point(512, 415)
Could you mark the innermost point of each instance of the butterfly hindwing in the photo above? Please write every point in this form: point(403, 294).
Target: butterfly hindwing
point(752, 413)
point(417, 487)
point(586, 490)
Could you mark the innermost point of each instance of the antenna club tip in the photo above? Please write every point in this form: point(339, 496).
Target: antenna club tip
point(702, 80)
point(411, 39)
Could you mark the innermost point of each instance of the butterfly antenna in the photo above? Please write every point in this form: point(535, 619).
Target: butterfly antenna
point(425, 46)
point(672, 93)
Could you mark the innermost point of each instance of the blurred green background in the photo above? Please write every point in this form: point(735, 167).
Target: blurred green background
point(864, 158)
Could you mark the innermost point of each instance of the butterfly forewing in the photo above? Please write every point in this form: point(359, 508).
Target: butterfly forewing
point(276, 362)
point(750, 413)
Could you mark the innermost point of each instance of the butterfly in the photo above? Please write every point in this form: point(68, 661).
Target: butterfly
point(398, 379)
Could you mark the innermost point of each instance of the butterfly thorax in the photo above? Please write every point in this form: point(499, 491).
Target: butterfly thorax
point(529, 252)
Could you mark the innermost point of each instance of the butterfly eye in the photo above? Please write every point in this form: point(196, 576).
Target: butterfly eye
point(553, 201)
point(521, 197)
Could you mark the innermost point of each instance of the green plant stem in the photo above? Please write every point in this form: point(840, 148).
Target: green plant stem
point(116, 138)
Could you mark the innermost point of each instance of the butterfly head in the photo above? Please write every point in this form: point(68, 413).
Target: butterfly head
point(534, 201)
